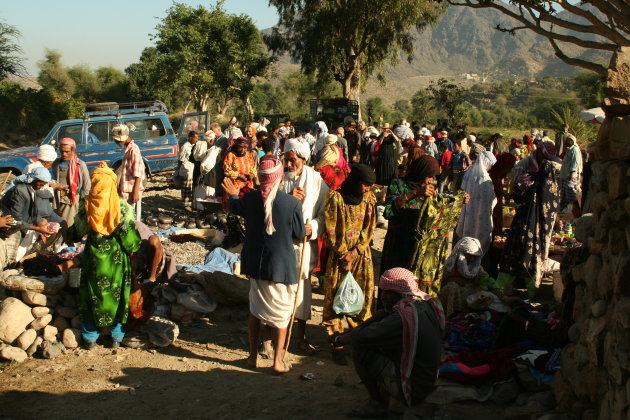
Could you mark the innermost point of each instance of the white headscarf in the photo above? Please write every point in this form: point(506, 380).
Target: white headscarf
point(476, 218)
point(46, 153)
point(321, 137)
point(300, 149)
point(465, 246)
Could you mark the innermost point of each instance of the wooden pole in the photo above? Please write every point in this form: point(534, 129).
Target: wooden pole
point(5, 180)
point(297, 294)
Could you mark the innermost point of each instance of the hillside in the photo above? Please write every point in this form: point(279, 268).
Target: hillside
point(465, 41)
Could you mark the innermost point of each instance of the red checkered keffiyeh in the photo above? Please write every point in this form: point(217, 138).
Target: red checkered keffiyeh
point(401, 280)
point(270, 174)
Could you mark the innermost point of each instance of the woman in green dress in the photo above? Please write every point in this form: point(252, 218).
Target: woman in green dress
point(108, 222)
point(420, 220)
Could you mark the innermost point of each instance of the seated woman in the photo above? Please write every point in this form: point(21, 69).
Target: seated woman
point(27, 200)
point(397, 352)
point(106, 271)
point(464, 277)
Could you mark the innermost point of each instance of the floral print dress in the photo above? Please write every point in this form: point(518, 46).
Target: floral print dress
point(106, 268)
point(348, 227)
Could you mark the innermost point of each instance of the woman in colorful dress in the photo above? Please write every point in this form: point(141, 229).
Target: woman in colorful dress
point(239, 166)
point(350, 216)
point(109, 223)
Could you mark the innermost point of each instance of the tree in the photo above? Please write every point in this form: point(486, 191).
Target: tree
point(449, 98)
point(211, 56)
point(589, 87)
point(594, 24)
point(349, 40)
point(10, 61)
point(54, 77)
point(86, 86)
point(423, 105)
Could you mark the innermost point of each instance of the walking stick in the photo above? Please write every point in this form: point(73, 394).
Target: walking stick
point(5, 180)
point(297, 294)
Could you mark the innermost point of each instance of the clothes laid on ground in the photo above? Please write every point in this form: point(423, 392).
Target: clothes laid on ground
point(217, 260)
point(349, 226)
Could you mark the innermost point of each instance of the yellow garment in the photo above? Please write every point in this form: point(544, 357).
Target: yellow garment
point(102, 205)
point(329, 156)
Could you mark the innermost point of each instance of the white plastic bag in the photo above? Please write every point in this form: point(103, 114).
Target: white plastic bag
point(349, 297)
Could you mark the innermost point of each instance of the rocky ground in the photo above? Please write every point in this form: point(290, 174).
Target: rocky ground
point(201, 376)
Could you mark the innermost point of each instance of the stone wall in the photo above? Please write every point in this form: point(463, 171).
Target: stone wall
point(595, 377)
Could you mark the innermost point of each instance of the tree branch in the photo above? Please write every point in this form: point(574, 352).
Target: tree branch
point(535, 26)
point(597, 68)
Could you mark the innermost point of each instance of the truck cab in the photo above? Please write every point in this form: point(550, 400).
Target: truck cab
point(148, 124)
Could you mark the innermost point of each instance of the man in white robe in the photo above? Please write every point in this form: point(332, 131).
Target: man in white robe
point(306, 184)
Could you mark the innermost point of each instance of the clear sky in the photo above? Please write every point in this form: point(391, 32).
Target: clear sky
point(101, 33)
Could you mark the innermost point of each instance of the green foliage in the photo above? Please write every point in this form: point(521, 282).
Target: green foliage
point(205, 56)
point(10, 60)
point(585, 133)
point(423, 106)
point(589, 87)
point(31, 112)
point(449, 98)
point(348, 41)
point(53, 77)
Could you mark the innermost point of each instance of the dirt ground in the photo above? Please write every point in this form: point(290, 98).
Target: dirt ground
point(201, 376)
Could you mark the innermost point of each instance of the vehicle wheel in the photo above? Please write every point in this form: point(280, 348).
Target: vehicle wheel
point(3, 177)
point(102, 106)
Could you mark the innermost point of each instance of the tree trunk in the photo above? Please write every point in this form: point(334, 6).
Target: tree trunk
point(352, 85)
point(249, 108)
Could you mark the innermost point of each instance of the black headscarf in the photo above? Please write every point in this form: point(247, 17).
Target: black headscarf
point(423, 167)
point(360, 174)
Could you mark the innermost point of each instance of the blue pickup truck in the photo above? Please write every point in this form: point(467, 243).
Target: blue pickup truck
point(148, 124)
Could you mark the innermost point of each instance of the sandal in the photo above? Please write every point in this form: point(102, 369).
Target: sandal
point(308, 349)
point(265, 350)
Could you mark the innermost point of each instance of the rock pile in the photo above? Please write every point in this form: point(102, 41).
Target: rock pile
point(39, 316)
point(595, 377)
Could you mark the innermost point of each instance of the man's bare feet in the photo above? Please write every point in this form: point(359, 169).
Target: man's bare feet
point(251, 362)
point(281, 368)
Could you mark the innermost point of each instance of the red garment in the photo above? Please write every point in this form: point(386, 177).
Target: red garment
point(447, 156)
point(333, 176)
point(505, 163)
point(342, 163)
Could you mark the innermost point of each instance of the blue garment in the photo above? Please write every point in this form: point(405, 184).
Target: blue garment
point(449, 143)
point(457, 161)
point(90, 333)
point(270, 257)
point(217, 260)
point(167, 232)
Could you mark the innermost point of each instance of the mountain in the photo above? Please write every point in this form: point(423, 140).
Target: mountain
point(465, 41)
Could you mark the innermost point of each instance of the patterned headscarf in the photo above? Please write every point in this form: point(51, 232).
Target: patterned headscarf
point(401, 280)
point(102, 205)
point(234, 134)
point(270, 174)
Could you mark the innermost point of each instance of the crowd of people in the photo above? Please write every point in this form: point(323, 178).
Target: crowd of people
point(311, 200)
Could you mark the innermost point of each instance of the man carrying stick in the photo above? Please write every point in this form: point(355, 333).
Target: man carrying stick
point(273, 221)
point(305, 184)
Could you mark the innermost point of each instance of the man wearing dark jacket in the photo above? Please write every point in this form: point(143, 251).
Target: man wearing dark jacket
point(273, 221)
